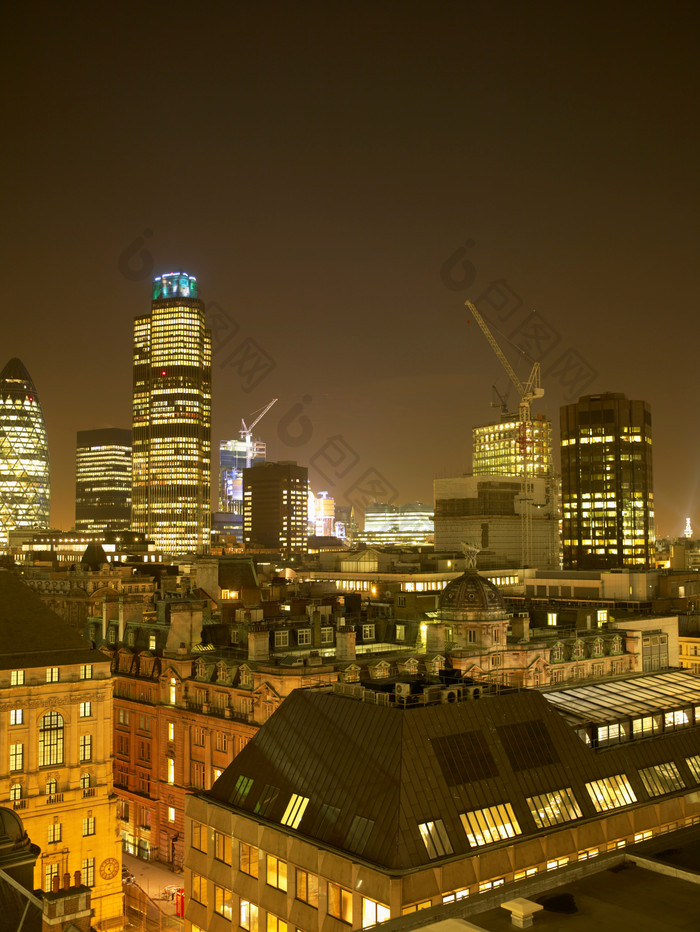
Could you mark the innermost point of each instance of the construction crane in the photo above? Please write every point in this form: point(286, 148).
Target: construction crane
point(502, 402)
point(247, 431)
point(527, 393)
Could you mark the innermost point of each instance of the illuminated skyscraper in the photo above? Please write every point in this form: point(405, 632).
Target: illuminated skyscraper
point(172, 418)
point(607, 483)
point(103, 480)
point(24, 454)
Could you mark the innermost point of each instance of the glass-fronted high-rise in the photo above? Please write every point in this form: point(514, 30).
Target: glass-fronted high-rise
point(24, 454)
point(103, 480)
point(172, 419)
point(607, 483)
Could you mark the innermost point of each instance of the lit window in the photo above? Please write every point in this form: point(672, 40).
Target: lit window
point(85, 747)
point(88, 872)
point(307, 888)
point(171, 814)
point(611, 792)
point(85, 709)
point(223, 902)
point(248, 917)
point(661, 778)
point(199, 888)
point(281, 638)
point(199, 836)
point(339, 902)
point(435, 838)
point(222, 847)
point(171, 771)
point(401, 631)
point(17, 678)
point(50, 871)
point(171, 731)
point(485, 826)
point(373, 913)
point(85, 671)
point(295, 810)
point(55, 832)
point(367, 632)
point(15, 792)
point(275, 924)
point(84, 781)
point(173, 691)
point(52, 674)
point(248, 859)
point(276, 872)
point(554, 807)
point(16, 716)
point(88, 826)
point(151, 642)
point(694, 766)
point(16, 757)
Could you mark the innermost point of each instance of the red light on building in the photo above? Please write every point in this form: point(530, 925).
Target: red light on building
point(180, 902)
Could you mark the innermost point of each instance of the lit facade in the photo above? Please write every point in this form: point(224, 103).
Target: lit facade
point(24, 454)
point(56, 752)
point(103, 480)
point(607, 483)
point(232, 461)
point(172, 419)
point(275, 507)
point(499, 449)
point(398, 524)
point(321, 514)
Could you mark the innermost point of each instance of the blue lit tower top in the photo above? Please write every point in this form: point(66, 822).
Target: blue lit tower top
point(174, 285)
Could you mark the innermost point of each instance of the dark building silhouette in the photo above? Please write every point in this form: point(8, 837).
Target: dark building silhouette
point(275, 507)
point(607, 483)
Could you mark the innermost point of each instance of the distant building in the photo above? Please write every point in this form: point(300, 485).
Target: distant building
point(56, 726)
point(172, 418)
point(487, 512)
point(321, 515)
point(275, 503)
point(103, 480)
point(607, 483)
point(24, 454)
point(232, 461)
point(398, 525)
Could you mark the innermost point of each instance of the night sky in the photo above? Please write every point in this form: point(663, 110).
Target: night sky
point(341, 178)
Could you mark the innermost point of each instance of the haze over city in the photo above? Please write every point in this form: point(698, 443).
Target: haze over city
point(340, 180)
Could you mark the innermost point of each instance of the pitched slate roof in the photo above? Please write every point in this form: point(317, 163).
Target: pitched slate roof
point(31, 635)
point(373, 772)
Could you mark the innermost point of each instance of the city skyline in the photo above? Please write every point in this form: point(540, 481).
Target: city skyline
point(352, 177)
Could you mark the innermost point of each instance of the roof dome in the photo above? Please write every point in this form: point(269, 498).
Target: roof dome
point(11, 827)
point(470, 597)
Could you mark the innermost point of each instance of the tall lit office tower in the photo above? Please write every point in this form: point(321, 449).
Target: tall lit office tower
point(607, 483)
point(275, 507)
point(24, 454)
point(172, 419)
point(232, 461)
point(103, 480)
point(499, 449)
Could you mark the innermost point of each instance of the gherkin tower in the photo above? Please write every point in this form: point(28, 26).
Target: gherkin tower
point(24, 454)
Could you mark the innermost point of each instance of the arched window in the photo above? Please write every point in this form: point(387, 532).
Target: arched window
point(51, 787)
point(16, 792)
point(84, 781)
point(51, 740)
